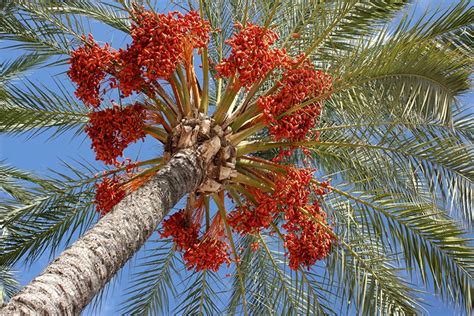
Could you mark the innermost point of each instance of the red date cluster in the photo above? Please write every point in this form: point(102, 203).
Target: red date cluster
point(251, 219)
point(161, 43)
point(89, 66)
point(113, 129)
point(181, 227)
point(209, 253)
point(251, 57)
point(108, 193)
point(111, 190)
point(308, 237)
point(206, 253)
point(298, 86)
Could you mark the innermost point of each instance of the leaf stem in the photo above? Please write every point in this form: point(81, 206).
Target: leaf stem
point(219, 199)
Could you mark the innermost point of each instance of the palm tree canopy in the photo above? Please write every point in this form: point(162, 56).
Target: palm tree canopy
point(395, 141)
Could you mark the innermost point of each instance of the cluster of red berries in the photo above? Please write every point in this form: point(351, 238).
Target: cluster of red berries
point(113, 129)
point(159, 41)
point(182, 228)
point(251, 57)
point(89, 66)
point(111, 190)
point(127, 75)
point(206, 253)
point(160, 44)
point(306, 240)
point(209, 253)
point(247, 219)
point(308, 237)
point(297, 86)
point(108, 193)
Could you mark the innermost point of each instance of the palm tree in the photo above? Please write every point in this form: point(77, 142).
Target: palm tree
point(394, 140)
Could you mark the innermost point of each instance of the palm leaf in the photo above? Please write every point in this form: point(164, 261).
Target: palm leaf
point(36, 108)
point(101, 11)
point(8, 284)
point(427, 154)
point(200, 294)
point(60, 209)
point(11, 70)
point(33, 35)
point(15, 182)
point(153, 284)
point(431, 242)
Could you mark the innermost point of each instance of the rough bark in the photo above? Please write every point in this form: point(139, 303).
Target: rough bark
point(71, 281)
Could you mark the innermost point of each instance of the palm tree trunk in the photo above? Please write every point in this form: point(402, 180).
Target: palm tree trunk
point(71, 281)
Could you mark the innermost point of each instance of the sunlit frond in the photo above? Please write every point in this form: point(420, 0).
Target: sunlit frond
point(421, 155)
point(432, 244)
point(36, 108)
point(101, 11)
point(8, 284)
point(153, 285)
point(200, 294)
point(414, 80)
point(14, 182)
point(367, 278)
point(36, 36)
point(60, 208)
point(12, 69)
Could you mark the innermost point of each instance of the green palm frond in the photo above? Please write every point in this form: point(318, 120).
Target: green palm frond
point(418, 80)
point(422, 155)
point(358, 273)
point(367, 279)
point(429, 162)
point(101, 11)
point(327, 27)
point(200, 294)
point(431, 242)
point(421, 80)
point(7, 6)
point(335, 120)
point(452, 29)
point(153, 285)
point(28, 34)
point(12, 69)
point(287, 294)
point(270, 288)
point(221, 15)
point(60, 208)
point(9, 286)
point(14, 182)
point(248, 262)
point(280, 286)
point(36, 108)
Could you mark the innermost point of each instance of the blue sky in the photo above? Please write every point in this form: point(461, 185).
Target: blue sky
point(39, 154)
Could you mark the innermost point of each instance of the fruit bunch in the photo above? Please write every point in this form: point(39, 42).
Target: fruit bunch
point(265, 99)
